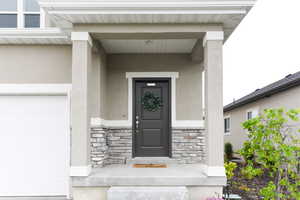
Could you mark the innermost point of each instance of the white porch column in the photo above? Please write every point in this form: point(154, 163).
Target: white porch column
point(80, 119)
point(213, 66)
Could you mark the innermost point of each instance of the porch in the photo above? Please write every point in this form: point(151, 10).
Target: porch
point(106, 133)
point(103, 74)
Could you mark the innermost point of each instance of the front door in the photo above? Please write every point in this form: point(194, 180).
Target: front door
point(151, 118)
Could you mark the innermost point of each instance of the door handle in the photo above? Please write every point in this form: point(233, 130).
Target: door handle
point(137, 124)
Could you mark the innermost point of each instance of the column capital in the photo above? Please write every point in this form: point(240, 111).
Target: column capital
point(82, 36)
point(213, 35)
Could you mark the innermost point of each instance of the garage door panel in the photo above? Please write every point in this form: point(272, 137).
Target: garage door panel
point(34, 145)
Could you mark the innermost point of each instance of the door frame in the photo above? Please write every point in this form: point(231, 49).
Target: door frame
point(134, 80)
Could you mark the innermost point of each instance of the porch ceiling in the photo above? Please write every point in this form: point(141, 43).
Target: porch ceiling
point(149, 46)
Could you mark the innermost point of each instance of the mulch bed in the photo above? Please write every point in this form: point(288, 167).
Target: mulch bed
point(248, 189)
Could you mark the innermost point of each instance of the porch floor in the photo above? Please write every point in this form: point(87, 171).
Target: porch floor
point(127, 175)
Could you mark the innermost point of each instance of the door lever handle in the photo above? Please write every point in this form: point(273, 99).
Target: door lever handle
point(137, 124)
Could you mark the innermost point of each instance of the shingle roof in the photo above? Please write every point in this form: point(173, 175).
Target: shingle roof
point(286, 83)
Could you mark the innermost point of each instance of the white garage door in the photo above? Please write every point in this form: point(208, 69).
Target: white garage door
point(34, 145)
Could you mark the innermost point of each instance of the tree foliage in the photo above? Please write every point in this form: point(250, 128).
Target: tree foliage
point(273, 146)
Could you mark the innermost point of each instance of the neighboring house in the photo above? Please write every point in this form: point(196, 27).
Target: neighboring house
point(284, 93)
point(87, 88)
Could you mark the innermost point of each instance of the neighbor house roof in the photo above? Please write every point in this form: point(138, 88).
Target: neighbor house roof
point(286, 83)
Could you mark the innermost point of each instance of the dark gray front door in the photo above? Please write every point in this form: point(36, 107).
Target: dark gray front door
point(151, 119)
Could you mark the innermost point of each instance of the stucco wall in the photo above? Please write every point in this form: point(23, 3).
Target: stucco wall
point(35, 64)
point(103, 84)
point(50, 64)
point(188, 85)
point(98, 85)
point(53, 64)
point(288, 99)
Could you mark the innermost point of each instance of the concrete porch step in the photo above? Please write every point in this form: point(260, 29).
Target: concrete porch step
point(151, 160)
point(147, 193)
point(127, 175)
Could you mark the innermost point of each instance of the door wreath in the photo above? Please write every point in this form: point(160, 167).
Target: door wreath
point(151, 102)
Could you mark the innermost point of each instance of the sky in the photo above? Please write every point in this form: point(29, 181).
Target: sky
point(264, 48)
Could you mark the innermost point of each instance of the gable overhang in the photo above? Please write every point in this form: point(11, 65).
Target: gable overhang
point(34, 36)
point(229, 13)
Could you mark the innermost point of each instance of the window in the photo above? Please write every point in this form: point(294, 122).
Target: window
point(31, 6)
point(8, 20)
point(32, 21)
point(8, 5)
point(19, 14)
point(252, 113)
point(31, 14)
point(249, 115)
point(227, 125)
point(8, 14)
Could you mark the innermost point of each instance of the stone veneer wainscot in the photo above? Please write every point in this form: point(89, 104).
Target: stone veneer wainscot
point(114, 145)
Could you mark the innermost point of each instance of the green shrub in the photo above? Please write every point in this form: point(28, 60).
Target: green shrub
point(229, 168)
point(273, 146)
point(228, 151)
point(247, 152)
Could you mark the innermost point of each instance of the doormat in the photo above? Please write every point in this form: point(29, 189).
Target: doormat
point(150, 166)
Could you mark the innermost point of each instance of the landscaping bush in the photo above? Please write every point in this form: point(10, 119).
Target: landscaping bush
point(273, 147)
point(229, 169)
point(228, 151)
point(247, 152)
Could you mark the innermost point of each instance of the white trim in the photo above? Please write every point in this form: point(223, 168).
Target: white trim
point(172, 75)
point(227, 133)
point(20, 16)
point(215, 171)
point(35, 89)
point(152, 75)
point(117, 123)
point(42, 18)
point(127, 5)
point(80, 170)
point(82, 36)
point(30, 31)
point(33, 35)
point(188, 124)
point(47, 90)
point(213, 35)
point(96, 122)
point(154, 11)
point(9, 12)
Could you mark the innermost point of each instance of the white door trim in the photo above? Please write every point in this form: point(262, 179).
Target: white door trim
point(44, 90)
point(172, 75)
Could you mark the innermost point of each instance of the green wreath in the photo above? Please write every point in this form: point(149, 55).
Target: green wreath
point(151, 102)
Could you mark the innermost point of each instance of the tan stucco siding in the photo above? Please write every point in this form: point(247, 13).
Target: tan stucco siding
point(288, 99)
point(188, 85)
point(48, 64)
point(35, 64)
point(103, 85)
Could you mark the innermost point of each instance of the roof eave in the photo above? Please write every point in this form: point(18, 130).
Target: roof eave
point(263, 95)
